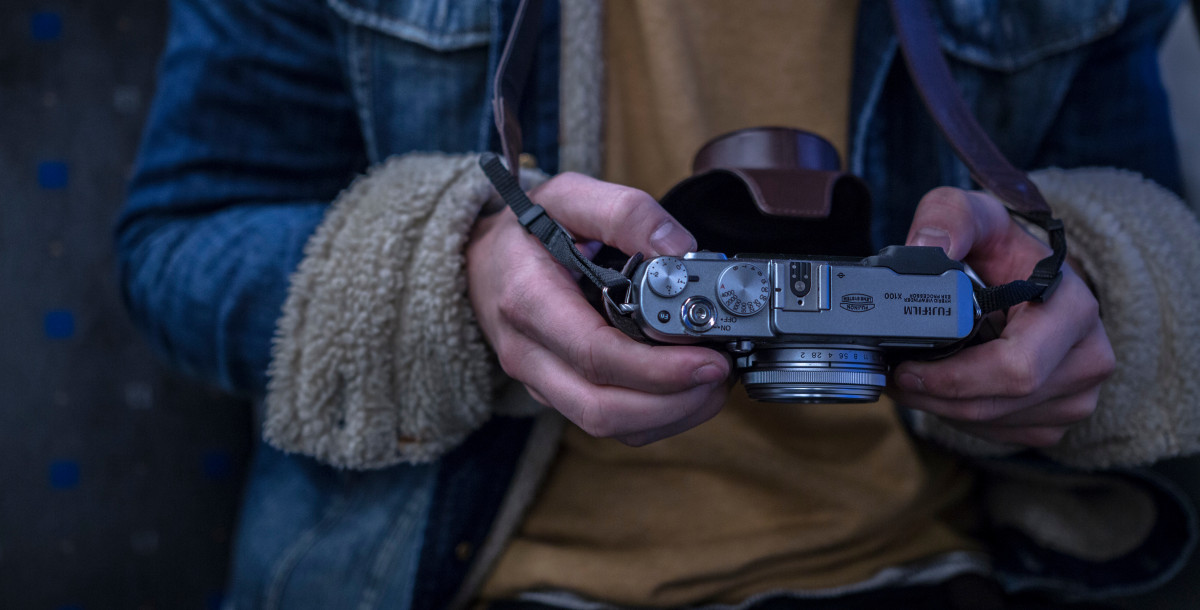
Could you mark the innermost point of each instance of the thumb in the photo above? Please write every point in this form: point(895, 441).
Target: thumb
point(957, 221)
point(975, 227)
point(620, 216)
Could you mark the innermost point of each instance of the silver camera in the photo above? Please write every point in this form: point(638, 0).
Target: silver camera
point(806, 329)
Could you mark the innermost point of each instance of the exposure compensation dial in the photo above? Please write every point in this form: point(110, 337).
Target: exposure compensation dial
point(667, 276)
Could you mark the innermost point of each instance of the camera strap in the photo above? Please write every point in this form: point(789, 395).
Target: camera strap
point(512, 73)
point(533, 217)
point(930, 73)
point(559, 241)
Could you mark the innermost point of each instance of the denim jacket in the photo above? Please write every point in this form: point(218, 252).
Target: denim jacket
point(268, 108)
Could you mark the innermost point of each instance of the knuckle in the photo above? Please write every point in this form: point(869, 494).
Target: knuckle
point(627, 208)
point(1075, 411)
point(947, 206)
point(594, 418)
point(1090, 308)
point(537, 396)
point(982, 411)
point(508, 363)
point(515, 302)
point(512, 359)
point(561, 182)
point(1022, 373)
point(945, 198)
point(510, 301)
point(584, 356)
point(637, 440)
point(1104, 363)
point(947, 383)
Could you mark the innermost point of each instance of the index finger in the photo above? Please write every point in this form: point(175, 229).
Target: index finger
point(976, 227)
point(620, 216)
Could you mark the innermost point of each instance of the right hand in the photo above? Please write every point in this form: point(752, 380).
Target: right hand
point(549, 338)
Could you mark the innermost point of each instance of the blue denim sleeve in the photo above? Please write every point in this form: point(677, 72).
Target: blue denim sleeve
point(251, 135)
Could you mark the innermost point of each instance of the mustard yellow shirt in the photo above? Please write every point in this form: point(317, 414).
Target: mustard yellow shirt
point(764, 496)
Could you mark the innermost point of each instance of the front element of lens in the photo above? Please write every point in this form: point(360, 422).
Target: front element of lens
point(813, 373)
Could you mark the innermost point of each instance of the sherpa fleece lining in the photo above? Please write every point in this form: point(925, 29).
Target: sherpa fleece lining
point(1140, 245)
point(378, 359)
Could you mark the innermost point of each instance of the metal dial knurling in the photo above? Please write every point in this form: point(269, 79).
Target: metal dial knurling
point(743, 289)
point(667, 276)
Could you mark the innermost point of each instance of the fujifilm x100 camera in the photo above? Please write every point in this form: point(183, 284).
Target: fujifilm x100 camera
point(806, 329)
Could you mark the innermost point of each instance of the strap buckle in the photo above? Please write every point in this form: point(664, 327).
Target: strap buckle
point(1048, 273)
point(626, 308)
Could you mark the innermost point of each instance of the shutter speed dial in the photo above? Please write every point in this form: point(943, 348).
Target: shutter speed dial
point(743, 289)
point(666, 276)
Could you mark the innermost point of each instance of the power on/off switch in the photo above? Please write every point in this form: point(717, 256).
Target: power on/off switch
point(699, 314)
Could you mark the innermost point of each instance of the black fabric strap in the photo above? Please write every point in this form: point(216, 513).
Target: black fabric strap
point(533, 217)
point(559, 241)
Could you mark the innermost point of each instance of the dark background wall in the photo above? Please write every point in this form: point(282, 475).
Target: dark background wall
point(118, 480)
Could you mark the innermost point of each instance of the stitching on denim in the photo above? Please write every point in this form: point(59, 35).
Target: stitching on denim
point(487, 121)
point(416, 510)
point(858, 149)
point(290, 558)
point(357, 53)
point(531, 468)
point(442, 41)
point(1061, 41)
point(443, 12)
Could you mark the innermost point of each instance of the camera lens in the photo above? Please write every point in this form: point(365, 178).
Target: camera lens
point(813, 373)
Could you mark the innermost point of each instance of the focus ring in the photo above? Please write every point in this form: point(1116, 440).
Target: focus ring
point(813, 373)
point(815, 377)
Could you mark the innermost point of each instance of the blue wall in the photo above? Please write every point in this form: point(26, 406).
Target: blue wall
point(118, 480)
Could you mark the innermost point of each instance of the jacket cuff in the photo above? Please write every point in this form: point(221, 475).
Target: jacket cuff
point(377, 359)
point(1140, 245)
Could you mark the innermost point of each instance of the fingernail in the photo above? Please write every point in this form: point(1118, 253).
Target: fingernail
point(709, 373)
point(930, 236)
point(671, 239)
point(910, 382)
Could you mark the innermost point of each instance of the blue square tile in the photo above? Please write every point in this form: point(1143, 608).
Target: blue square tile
point(46, 25)
point(218, 465)
point(52, 174)
point(64, 474)
point(59, 324)
point(214, 601)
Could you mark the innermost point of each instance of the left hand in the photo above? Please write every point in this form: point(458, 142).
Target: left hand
point(1043, 373)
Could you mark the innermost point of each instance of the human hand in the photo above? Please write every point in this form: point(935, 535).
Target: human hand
point(549, 338)
point(1043, 373)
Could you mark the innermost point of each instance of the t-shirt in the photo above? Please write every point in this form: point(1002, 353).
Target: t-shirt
point(764, 496)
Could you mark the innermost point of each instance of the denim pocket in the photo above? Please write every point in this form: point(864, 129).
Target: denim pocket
point(1010, 36)
point(419, 72)
point(441, 25)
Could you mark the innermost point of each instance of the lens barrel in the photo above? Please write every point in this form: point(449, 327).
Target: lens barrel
point(813, 373)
